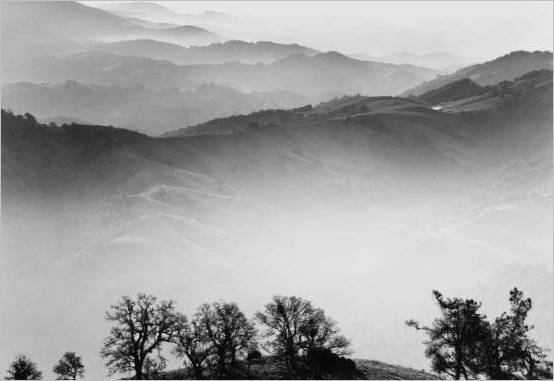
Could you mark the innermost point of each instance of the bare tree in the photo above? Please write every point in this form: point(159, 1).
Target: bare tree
point(141, 327)
point(23, 369)
point(321, 339)
point(232, 335)
point(69, 367)
point(319, 332)
point(194, 344)
point(284, 317)
point(294, 327)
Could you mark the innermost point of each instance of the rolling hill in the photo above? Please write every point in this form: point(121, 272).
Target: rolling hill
point(466, 96)
point(459, 89)
point(138, 108)
point(385, 181)
point(437, 60)
point(505, 68)
point(240, 51)
point(268, 368)
point(318, 77)
point(78, 22)
point(33, 29)
point(145, 150)
point(184, 35)
point(460, 96)
point(143, 10)
point(154, 12)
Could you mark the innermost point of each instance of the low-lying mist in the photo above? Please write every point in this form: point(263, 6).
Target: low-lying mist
point(362, 223)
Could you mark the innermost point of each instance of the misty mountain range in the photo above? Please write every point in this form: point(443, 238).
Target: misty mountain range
point(155, 13)
point(217, 53)
point(110, 56)
point(112, 49)
point(275, 172)
point(152, 111)
point(265, 151)
point(59, 26)
point(263, 74)
point(503, 68)
point(438, 61)
point(143, 148)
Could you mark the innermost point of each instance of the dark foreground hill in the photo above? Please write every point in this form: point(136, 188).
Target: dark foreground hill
point(268, 368)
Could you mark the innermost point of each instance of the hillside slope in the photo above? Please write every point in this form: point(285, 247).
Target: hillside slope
point(376, 370)
point(505, 68)
point(35, 29)
point(466, 96)
point(138, 108)
point(268, 368)
point(455, 97)
point(143, 10)
point(335, 202)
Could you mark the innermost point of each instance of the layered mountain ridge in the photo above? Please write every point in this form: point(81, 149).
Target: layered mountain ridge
point(145, 150)
point(152, 111)
point(505, 68)
point(234, 50)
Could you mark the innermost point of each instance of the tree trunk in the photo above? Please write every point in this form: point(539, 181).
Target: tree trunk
point(138, 373)
point(289, 371)
point(197, 369)
point(458, 365)
point(465, 373)
point(138, 369)
point(221, 362)
point(292, 362)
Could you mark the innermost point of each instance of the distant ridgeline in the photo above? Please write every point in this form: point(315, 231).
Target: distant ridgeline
point(33, 167)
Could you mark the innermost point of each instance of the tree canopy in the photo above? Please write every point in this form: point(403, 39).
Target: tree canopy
point(22, 368)
point(231, 334)
point(295, 328)
point(69, 367)
point(141, 326)
point(463, 343)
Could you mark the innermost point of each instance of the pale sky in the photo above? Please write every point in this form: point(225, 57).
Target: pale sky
point(469, 28)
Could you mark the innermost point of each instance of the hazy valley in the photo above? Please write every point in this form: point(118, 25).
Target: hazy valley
point(145, 152)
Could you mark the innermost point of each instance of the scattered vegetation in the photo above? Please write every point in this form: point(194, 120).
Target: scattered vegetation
point(141, 326)
point(219, 341)
point(69, 367)
point(303, 337)
point(23, 368)
point(463, 343)
point(299, 341)
point(194, 346)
